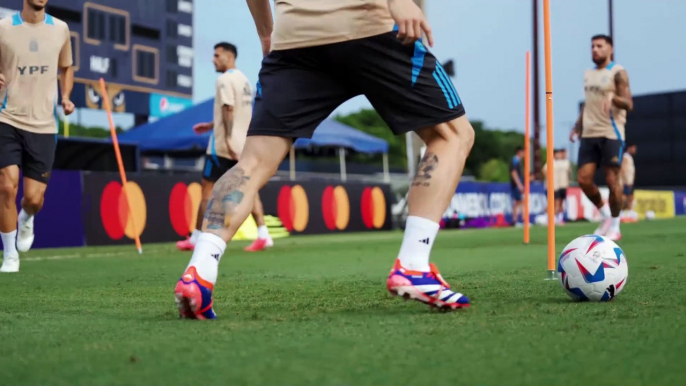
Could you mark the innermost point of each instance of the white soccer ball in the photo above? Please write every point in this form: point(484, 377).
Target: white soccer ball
point(592, 268)
point(650, 215)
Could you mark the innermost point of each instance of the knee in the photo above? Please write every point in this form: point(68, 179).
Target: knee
point(254, 163)
point(8, 190)
point(457, 133)
point(584, 180)
point(34, 201)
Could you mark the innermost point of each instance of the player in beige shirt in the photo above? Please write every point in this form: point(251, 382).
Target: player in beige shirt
point(562, 172)
point(601, 127)
point(628, 176)
point(34, 49)
point(232, 112)
point(318, 54)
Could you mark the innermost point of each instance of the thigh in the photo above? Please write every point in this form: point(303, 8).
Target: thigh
point(296, 91)
point(10, 146)
point(406, 85)
point(612, 152)
point(590, 152)
point(38, 155)
point(215, 167)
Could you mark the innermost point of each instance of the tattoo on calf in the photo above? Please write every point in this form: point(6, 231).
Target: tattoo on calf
point(426, 168)
point(226, 196)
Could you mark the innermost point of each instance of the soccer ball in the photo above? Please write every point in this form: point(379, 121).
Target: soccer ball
point(592, 268)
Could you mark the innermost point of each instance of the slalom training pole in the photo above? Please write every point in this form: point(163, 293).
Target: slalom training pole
point(550, 139)
point(527, 145)
point(66, 126)
point(120, 163)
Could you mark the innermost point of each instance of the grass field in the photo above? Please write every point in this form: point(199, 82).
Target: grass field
point(314, 311)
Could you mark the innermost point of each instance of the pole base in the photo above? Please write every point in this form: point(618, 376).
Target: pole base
point(552, 275)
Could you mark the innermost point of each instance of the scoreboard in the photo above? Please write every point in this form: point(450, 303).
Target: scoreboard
point(142, 48)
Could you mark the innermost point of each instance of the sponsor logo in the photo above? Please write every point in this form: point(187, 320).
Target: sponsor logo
point(31, 70)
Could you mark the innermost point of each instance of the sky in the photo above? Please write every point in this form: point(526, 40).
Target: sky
point(488, 40)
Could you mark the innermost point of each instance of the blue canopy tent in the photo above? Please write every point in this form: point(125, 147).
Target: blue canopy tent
point(174, 134)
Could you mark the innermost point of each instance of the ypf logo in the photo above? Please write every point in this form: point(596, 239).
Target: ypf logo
point(293, 208)
point(183, 207)
point(115, 213)
point(373, 208)
point(336, 208)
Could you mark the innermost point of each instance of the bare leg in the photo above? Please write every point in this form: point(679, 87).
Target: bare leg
point(234, 193)
point(207, 187)
point(34, 196)
point(9, 185)
point(515, 211)
point(258, 211)
point(585, 179)
point(612, 179)
point(439, 172)
point(447, 147)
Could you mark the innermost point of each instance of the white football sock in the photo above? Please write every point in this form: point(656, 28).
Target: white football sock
point(262, 232)
point(9, 243)
point(194, 236)
point(25, 217)
point(605, 211)
point(615, 224)
point(420, 235)
point(208, 251)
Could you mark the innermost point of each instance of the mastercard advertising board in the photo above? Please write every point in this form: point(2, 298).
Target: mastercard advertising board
point(164, 208)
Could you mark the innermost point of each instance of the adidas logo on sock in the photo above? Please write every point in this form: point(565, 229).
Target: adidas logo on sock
point(425, 241)
point(216, 256)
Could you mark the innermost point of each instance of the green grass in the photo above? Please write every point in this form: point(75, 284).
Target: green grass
point(314, 311)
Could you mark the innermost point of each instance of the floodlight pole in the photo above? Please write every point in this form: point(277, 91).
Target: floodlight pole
point(612, 23)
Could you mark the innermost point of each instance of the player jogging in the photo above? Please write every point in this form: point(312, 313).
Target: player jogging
point(517, 185)
point(318, 55)
point(601, 127)
point(232, 111)
point(562, 172)
point(34, 47)
point(628, 176)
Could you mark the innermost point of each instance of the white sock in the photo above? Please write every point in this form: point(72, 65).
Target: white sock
point(208, 251)
point(25, 217)
point(605, 211)
point(615, 224)
point(420, 235)
point(262, 232)
point(9, 243)
point(194, 236)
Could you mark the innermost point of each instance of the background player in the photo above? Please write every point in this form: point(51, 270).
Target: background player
point(562, 174)
point(232, 112)
point(628, 177)
point(601, 127)
point(324, 53)
point(517, 185)
point(34, 46)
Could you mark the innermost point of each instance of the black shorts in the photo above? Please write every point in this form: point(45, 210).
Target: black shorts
point(601, 151)
point(33, 153)
point(299, 88)
point(215, 167)
point(561, 194)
